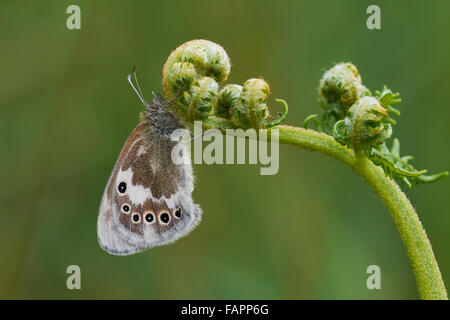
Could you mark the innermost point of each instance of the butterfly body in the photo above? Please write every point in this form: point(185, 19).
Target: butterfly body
point(148, 198)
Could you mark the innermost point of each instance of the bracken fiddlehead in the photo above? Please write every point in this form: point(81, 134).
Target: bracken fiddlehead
point(199, 69)
point(362, 122)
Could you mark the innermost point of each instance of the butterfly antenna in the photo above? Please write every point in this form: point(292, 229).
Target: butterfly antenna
point(137, 82)
point(139, 93)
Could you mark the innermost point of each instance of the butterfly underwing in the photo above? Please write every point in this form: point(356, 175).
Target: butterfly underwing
point(147, 201)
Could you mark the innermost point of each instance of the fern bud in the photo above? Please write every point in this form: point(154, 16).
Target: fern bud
point(340, 87)
point(196, 68)
point(367, 124)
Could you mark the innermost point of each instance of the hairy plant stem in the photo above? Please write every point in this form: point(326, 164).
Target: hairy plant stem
point(418, 247)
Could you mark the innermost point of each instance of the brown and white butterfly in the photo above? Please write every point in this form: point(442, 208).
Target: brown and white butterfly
point(147, 201)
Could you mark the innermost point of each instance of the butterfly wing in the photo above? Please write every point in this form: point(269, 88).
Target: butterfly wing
point(148, 198)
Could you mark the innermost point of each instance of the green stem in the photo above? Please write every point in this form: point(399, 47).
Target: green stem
point(418, 247)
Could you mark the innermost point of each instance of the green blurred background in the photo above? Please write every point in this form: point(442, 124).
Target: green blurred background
point(308, 232)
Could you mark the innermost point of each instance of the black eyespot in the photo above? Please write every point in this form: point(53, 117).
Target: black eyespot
point(165, 218)
point(126, 208)
point(122, 187)
point(149, 217)
point(136, 217)
point(178, 213)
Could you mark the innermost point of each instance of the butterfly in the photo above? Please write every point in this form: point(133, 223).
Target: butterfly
point(147, 201)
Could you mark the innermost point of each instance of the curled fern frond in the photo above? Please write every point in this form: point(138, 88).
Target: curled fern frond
point(363, 122)
point(199, 68)
point(365, 125)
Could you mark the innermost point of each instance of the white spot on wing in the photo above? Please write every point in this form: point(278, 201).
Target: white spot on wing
point(141, 151)
point(137, 193)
